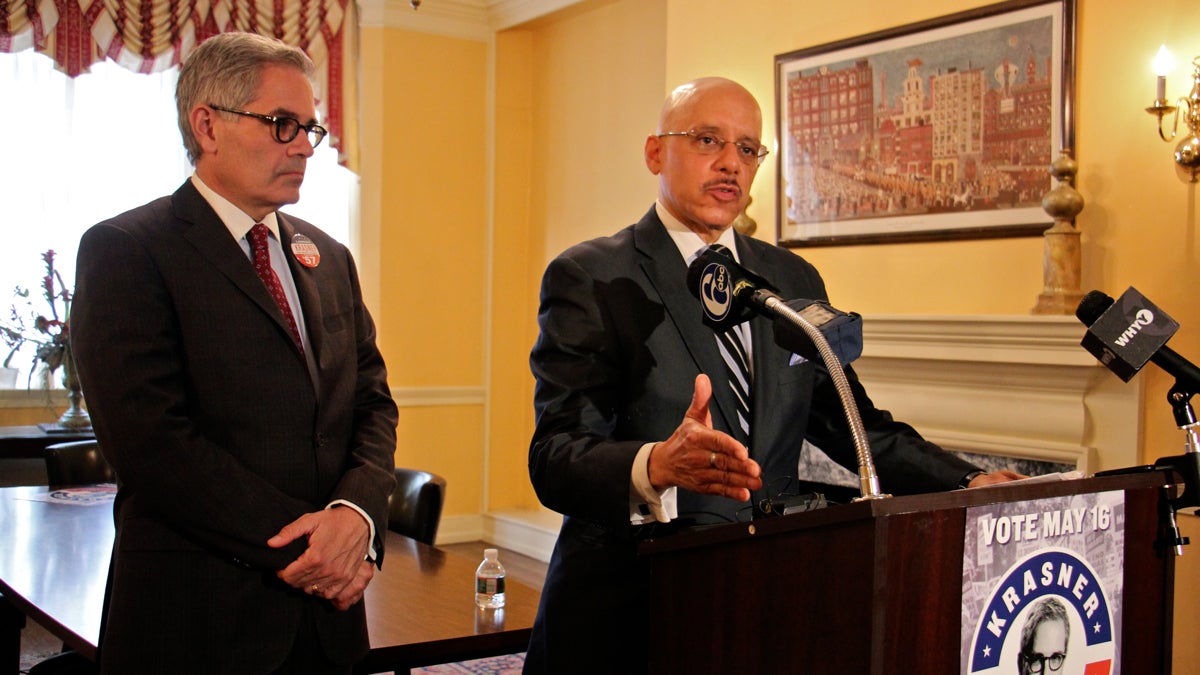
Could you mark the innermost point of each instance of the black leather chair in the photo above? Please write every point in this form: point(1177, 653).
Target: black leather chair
point(415, 506)
point(69, 662)
point(77, 463)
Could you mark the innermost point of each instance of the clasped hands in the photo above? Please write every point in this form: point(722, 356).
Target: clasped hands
point(334, 566)
point(699, 458)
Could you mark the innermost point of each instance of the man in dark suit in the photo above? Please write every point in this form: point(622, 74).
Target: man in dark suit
point(623, 357)
point(253, 438)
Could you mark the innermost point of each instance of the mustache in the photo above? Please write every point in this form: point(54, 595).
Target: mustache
point(720, 182)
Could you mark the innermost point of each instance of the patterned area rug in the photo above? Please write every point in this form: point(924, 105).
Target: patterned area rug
point(510, 664)
point(498, 665)
point(37, 644)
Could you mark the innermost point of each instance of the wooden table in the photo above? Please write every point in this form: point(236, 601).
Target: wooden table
point(420, 606)
point(30, 441)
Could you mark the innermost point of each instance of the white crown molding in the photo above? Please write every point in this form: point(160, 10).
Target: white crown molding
point(508, 13)
point(466, 19)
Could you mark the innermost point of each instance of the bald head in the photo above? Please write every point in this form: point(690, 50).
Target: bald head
point(690, 96)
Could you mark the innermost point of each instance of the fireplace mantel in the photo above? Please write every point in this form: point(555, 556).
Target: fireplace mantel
point(1013, 386)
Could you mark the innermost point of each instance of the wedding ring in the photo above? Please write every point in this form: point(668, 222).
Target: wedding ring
point(712, 460)
point(314, 588)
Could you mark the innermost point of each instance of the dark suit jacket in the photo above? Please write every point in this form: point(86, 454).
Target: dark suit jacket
point(621, 343)
point(220, 437)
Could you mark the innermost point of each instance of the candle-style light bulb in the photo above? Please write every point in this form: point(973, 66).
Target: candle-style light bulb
point(1162, 65)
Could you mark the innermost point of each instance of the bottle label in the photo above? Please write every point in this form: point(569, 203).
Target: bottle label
point(489, 585)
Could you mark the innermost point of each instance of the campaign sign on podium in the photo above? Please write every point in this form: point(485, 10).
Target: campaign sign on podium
point(1042, 585)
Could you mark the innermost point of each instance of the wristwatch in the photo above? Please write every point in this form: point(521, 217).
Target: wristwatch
point(966, 480)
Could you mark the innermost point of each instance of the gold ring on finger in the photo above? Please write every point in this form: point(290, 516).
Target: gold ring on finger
point(712, 460)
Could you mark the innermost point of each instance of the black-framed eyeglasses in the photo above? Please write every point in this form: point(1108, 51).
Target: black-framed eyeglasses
point(1037, 663)
point(286, 128)
point(707, 143)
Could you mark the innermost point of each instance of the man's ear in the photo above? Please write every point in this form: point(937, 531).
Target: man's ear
point(202, 119)
point(653, 153)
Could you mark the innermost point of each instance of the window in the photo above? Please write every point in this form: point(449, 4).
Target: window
point(76, 152)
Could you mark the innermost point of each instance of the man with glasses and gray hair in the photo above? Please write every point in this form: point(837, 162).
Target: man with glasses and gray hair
point(1044, 638)
point(234, 383)
point(645, 415)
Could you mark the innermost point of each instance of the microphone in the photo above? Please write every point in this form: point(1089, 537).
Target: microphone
point(1125, 333)
point(730, 294)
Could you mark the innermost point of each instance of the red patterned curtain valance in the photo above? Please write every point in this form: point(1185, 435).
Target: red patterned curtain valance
point(154, 35)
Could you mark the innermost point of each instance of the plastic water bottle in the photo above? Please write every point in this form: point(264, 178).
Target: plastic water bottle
point(489, 581)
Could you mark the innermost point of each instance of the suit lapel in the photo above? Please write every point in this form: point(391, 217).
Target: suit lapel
point(212, 241)
point(663, 266)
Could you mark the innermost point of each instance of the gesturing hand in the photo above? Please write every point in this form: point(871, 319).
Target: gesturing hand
point(698, 458)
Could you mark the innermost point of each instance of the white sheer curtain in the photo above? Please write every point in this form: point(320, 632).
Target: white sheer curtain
point(77, 151)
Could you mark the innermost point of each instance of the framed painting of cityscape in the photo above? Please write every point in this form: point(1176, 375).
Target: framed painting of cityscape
point(942, 129)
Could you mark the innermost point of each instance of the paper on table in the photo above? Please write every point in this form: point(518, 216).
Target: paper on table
point(85, 495)
point(1046, 478)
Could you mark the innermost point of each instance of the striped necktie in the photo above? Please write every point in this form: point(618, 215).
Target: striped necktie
point(737, 366)
point(261, 252)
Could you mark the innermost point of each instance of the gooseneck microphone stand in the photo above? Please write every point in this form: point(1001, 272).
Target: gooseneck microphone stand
point(868, 480)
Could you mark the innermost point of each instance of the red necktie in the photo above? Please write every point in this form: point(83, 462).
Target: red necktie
point(262, 265)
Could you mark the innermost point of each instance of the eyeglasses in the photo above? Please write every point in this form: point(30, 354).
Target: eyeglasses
point(286, 128)
point(705, 143)
point(1037, 663)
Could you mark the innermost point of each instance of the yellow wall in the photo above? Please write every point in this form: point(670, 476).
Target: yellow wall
point(514, 287)
point(425, 214)
point(572, 95)
point(433, 220)
point(597, 86)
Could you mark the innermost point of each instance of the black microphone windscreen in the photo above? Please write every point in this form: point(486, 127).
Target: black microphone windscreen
point(702, 261)
point(726, 290)
point(713, 278)
point(1124, 334)
point(841, 330)
point(1092, 306)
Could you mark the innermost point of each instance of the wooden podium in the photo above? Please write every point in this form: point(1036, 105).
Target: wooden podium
point(871, 587)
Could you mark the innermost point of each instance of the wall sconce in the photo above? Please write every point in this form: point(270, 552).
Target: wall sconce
point(1187, 153)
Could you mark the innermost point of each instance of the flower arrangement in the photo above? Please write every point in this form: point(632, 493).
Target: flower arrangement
point(49, 334)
